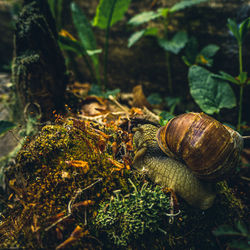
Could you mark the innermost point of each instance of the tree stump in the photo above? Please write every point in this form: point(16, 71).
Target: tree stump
point(38, 69)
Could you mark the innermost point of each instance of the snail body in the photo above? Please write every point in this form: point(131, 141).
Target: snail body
point(166, 154)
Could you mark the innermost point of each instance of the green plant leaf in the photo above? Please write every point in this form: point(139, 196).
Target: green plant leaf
point(136, 36)
point(210, 50)
point(56, 7)
point(113, 92)
point(95, 90)
point(211, 94)
point(71, 45)
point(83, 28)
point(144, 17)
point(164, 12)
point(52, 5)
point(85, 34)
point(225, 76)
point(154, 98)
point(242, 77)
point(60, 4)
point(191, 51)
point(243, 27)
point(151, 31)
point(232, 25)
point(93, 52)
point(103, 12)
point(225, 230)
point(6, 126)
point(184, 4)
point(172, 102)
point(165, 117)
point(239, 244)
point(241, 227)
point(174, 45)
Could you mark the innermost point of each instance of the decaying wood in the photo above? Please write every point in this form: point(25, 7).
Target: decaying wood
point(38, 70)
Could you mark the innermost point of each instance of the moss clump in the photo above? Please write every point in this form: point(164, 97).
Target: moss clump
point(63, 175)
point(191, 229)
point(125, 218)
point(69, 162)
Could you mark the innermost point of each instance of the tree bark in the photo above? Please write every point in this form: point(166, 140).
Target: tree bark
point(38, 69)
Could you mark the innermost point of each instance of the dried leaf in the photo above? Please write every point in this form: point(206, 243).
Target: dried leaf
point(139, 99)
point(35, 227)
point(59, 234)
point(136, 111)
point(79, 164)
point(65, 33)
point(65, 175)
point(84, 203)
point(116, 163)
point(75, 235)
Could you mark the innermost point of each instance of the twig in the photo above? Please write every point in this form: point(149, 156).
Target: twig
point(99, 118)
point(149, 115)
point(78, 192)
point(85, 216)
point(245, 178)
point(119, 105)
point(58, 221)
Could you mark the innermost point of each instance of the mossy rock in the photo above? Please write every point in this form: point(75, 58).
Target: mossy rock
point(191, 229)
point(54, 169)
point(66, 175)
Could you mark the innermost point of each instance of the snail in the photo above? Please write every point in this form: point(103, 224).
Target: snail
point(188, 155)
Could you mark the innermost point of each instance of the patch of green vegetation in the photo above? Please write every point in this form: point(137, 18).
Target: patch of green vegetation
point(212, 92)
point(107, 14)
point(125, 218)
point(170, 45)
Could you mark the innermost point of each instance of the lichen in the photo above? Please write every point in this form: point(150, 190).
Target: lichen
point(126, 218)
point(191, 229)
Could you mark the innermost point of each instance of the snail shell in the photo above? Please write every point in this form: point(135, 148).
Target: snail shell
point(210, 149)
point(167, 172)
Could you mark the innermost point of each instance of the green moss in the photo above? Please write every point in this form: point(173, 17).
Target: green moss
point(75, 155)
point(125, 218)
point(192, 228)
point(50, 170)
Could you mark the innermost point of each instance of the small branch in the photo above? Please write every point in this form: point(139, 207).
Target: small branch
point(119, 105)
point(99, 118)
point(78, 192)
point(58, 221)
point(149, 115)
point(245, 178)
point(246, 137)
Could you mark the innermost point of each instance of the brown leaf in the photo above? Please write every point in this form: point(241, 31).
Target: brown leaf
point(35, 227)
point(79, 164)
point(139, 99)
point(75, 235)
point(93, 109)
point(84, 203)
